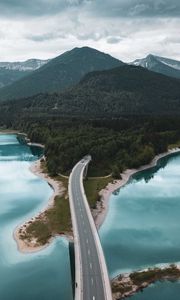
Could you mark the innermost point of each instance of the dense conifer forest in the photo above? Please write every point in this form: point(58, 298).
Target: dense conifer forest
point(123, 117)
point(115, 144)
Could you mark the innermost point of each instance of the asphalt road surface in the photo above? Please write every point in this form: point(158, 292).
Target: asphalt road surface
point(91, 271)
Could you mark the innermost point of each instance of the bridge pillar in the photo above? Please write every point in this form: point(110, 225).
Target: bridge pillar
point(72, 265)
point(85, 171)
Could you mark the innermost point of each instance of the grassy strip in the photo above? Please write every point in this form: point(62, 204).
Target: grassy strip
point(92, 188)
point(55, 220)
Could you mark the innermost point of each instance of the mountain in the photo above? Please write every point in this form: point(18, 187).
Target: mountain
point(28, 65)
point(159, 64)
point(126, 90)
point(13, 71)
point(61, 72)
point(9, 76)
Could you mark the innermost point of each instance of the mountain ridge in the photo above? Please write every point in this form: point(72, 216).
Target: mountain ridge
point(27, 65)
point(61, 72)
point(13, 71)
point(163, 65)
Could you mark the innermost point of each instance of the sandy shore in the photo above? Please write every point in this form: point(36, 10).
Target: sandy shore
point(36, 144)
point(99, 213)
point(7, 131)
point(102, 208)
point(58, 189)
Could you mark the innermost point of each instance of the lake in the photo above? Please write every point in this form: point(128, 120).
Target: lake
point(141, 229)
point(142, 226)
point(43, 275)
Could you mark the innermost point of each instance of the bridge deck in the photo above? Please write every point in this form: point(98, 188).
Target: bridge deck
point(92, 283)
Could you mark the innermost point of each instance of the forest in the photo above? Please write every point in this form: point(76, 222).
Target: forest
point(114, 144)
point(126, 90)
point(122, 117)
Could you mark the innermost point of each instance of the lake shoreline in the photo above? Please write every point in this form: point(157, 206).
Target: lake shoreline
point(58, 189)
point(102, 209)
point(6, 131)
point(99, 213)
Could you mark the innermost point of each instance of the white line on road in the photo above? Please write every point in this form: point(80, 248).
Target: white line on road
point(92, 281)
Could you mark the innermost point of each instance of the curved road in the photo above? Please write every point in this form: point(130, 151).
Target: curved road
point(92, 281)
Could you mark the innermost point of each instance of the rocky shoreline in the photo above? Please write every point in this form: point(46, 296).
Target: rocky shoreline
point(127, 285)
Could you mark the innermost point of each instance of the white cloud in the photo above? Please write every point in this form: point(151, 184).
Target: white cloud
point(78, 25)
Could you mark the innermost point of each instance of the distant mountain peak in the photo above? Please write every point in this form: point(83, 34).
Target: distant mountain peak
point(150, 56)
point(27, 65)
point(163, 65)
point(13, 71)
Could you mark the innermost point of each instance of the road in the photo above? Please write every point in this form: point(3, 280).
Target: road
point(92, 285)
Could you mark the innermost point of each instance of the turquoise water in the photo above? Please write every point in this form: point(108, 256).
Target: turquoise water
point(159, 291)
point(43, 275)
point(141, 229)
point(142, 226)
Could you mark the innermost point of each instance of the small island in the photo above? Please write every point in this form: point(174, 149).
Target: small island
point(127, 285)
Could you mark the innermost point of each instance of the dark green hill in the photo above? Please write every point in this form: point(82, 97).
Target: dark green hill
point(126, 90)
point(9, 76)
point(59, 73)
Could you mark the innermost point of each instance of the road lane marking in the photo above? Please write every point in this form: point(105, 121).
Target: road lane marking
point(92, 281)
point(88, 252)
point(90, 265)
point(87, 241)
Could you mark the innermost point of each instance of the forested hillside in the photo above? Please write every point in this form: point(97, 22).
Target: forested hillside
point(9, 76)
point(122, 117)
point(126, 90)
point(61, 72)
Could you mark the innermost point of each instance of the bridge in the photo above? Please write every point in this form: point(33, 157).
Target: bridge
point(91, 275)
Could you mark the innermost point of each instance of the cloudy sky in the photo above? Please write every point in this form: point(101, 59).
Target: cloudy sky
point(127, 29)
